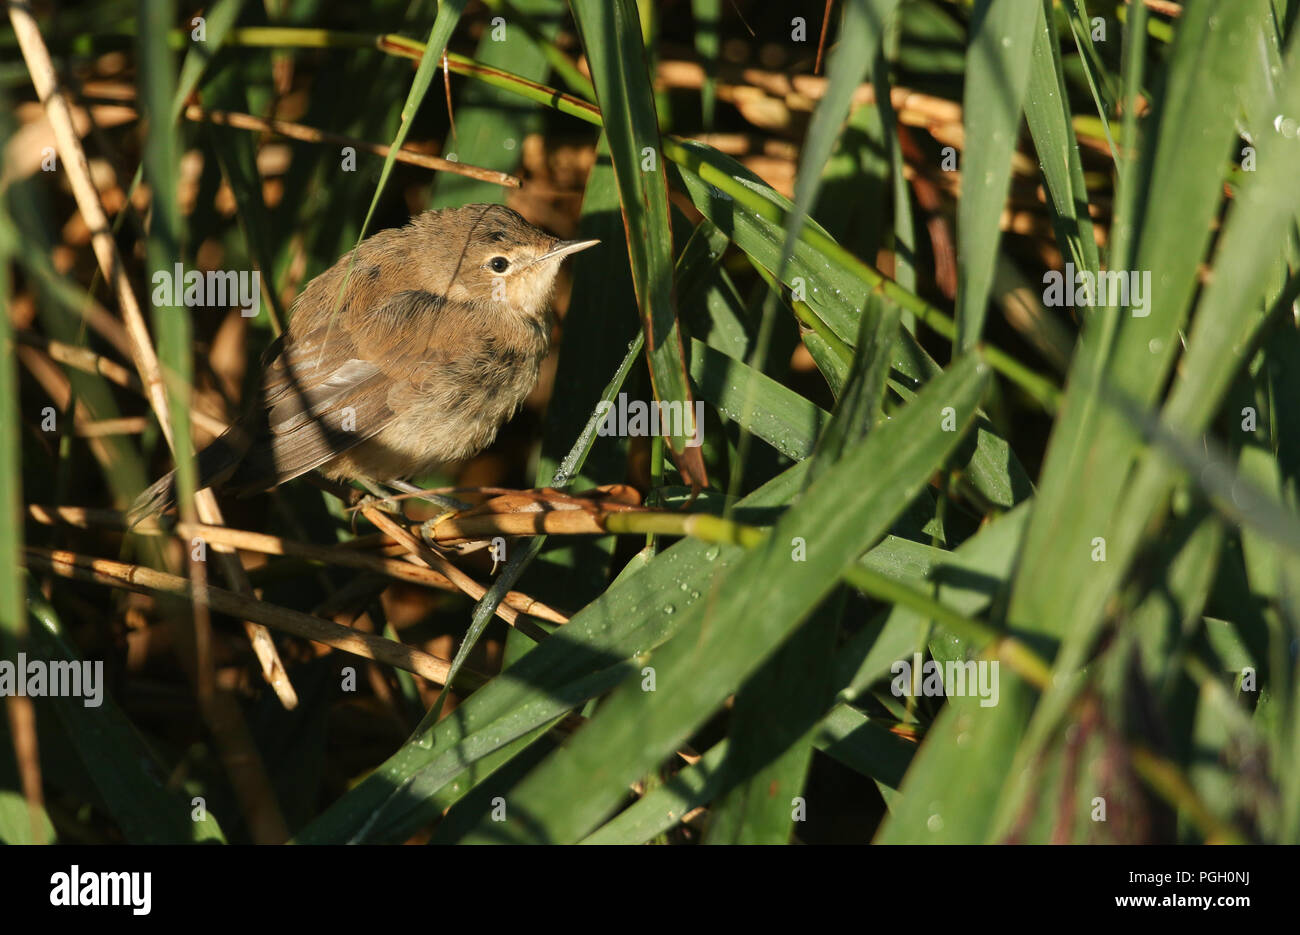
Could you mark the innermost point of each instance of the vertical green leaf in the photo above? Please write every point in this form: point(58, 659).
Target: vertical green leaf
point(612, 39)
point(18, 822)
point(1047, 111)
point(172, 325)
point(997, 71)
point(449, 12)
point(770, 742)
point(597, 326)
point(708, 16)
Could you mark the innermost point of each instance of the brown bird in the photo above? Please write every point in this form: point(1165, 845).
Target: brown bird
point(409, 355)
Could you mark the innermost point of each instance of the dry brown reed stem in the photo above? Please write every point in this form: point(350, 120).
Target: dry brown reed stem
point(463, 582)
point(239, 755)
point(143, 580)
point(73, 157)
point(536, 512)
point(86, 360)
point(298, 131)
point(265, 544)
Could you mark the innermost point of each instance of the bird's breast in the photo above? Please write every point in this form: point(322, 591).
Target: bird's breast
point(459, 403)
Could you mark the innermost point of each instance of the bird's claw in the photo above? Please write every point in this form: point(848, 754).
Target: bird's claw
point(428, 527)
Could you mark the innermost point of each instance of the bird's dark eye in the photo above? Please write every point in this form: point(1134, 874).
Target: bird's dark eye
point(499, 264)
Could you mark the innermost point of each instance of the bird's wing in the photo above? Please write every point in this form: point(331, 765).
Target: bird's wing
point(334, 387)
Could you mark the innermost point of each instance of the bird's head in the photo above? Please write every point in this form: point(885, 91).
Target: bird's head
point(494, 256)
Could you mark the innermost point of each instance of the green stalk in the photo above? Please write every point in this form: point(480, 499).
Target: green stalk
point(560, 63)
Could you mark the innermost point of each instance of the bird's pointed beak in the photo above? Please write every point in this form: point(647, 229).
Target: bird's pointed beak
point(566, 247)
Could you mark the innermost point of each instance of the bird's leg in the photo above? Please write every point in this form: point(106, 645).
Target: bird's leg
point(377, 496)
point(385, 500)
point(448, 504)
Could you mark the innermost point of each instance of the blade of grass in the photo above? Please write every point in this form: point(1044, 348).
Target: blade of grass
point(611, 36)
point(663, 807)
point(997, 72)
point(171, 322)
point(1087, 491)
point(707, 15)
point(584, 658)
point(127, 774)
point(1047, 111)
point(1101, 83)
point(848, 735)
point(524, 16)
point(449, 13)
point(218, 20)
point(826, 276)
point(859, 406)
point(595, 339)
point(779, 416)
point(905, 258)
point(25, 815)
point(770, 738)
point(860, 35)
point(489, 132)
point(770, 750)
point(1085, 471)
point(967, 580)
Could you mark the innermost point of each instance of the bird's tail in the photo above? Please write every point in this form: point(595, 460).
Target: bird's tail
point(215, 463)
